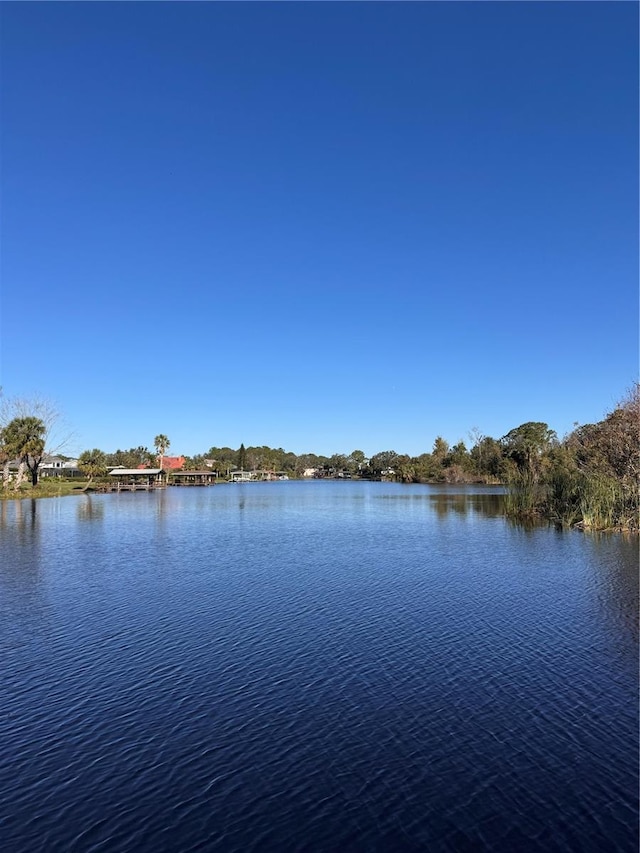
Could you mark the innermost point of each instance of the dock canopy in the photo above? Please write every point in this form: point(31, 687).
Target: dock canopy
point(192, 478)
point(140, 477)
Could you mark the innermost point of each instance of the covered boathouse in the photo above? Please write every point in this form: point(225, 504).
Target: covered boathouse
point(132, 479)
point(192, 478)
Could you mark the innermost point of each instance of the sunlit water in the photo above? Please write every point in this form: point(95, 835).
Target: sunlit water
point(317, 666)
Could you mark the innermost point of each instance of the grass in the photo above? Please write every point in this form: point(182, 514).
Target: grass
point(48, 487)
point(572, 499)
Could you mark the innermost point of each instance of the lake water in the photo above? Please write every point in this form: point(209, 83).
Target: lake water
point(319, 666)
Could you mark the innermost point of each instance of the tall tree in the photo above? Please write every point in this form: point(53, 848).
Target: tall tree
point(161, 444)
point(383, 462)
point(55, 433)
point(242, 458)
point(440, 449)
point(526, 446)
point(24, 439)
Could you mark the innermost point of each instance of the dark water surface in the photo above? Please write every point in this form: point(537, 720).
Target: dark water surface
point(313, 666)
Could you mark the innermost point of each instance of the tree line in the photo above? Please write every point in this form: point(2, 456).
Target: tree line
point(588, 478)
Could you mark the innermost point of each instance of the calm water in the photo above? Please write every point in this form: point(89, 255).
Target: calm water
point(318, 666)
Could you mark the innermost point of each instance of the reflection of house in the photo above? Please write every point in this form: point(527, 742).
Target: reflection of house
point(57, 466)
point(138, 478)
point(192, 478)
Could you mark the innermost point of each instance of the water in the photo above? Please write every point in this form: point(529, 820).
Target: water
point(317, 666)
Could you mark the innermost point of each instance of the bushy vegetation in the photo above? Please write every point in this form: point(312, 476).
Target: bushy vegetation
point(589, 479)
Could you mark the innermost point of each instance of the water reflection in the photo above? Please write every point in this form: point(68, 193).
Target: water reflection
point(618, 581)
point(18, 519)
point(90, 510)
point(21, 563)
point(402, 643)
point(161, 507)
point(489, 505)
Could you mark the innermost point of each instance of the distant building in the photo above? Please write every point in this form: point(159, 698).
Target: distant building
point(57, 466)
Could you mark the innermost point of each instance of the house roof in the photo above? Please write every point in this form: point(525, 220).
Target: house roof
point(172, 463)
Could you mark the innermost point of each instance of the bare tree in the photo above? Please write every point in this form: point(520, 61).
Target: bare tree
point(54, 433)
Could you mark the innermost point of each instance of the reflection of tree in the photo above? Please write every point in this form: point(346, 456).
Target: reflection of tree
point(23, 567)
point(27, 516)
point(90, 510)
point(490, 505)
point(19, 523)
point(161, 505)
point(619, 581)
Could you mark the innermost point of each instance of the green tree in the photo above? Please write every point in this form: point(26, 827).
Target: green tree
point(383, 462)
point(131, 458)
point(92, 463)
point(526, 445)
point(405, 469)
point(221, 459)
point(459, 455)
point(337, 464)
point(161, 444)
point(355, 461)
point(486, 457)
point(24, 439)
point(526, 451)
point(440, 450)
point(194, 463)
point(426, 467)
point(35, 421)
point(308, 460)
point(241, 458)
point(605, 463)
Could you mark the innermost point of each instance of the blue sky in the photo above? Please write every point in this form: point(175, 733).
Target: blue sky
point(320, 226)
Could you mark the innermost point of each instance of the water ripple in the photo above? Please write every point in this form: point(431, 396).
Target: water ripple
point(315, 669)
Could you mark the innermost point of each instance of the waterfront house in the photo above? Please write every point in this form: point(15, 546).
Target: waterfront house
point(58, 466)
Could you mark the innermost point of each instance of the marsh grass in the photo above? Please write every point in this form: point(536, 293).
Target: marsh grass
point(572, 499)
point(525, 496)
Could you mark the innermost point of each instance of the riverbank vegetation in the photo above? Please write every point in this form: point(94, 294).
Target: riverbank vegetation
point(587, 479)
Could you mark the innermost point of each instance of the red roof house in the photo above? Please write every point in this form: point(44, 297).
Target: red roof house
point(169, 463)
point(172, 463)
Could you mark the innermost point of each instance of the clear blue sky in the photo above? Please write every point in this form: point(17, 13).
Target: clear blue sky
point(321, 226)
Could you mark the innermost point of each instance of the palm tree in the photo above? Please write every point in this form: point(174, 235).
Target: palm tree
point(93, 463)
point(162, 444)
point(24, 438)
